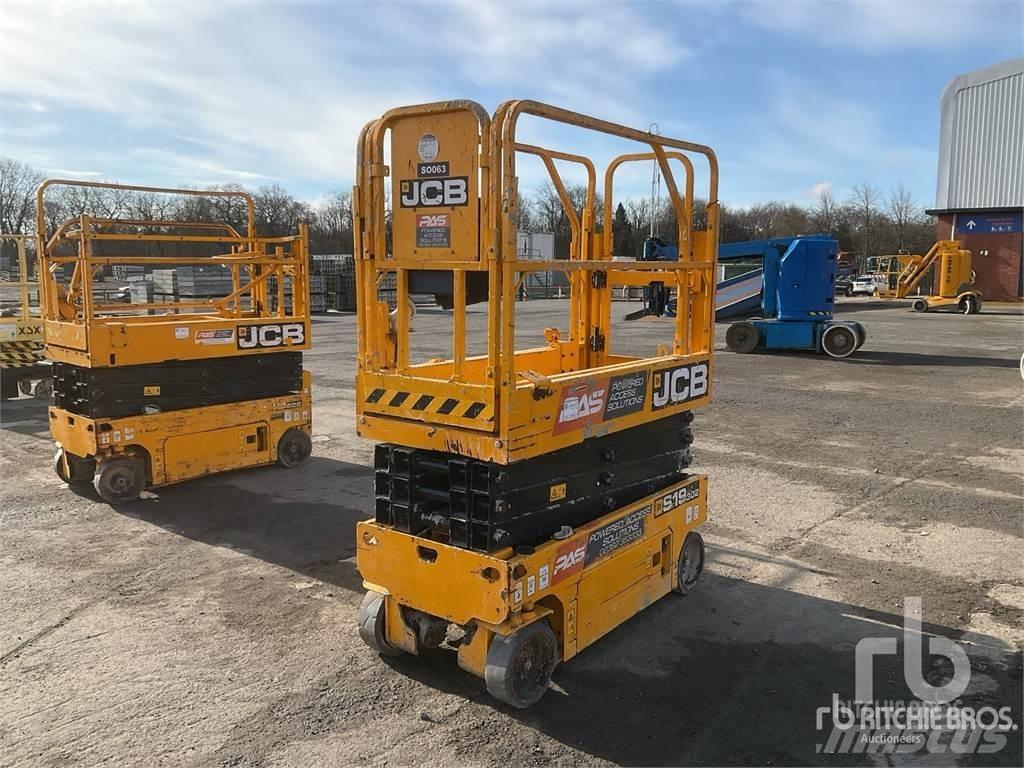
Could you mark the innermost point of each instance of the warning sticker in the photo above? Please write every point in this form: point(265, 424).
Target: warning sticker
point(220, 336)
point(433, 230)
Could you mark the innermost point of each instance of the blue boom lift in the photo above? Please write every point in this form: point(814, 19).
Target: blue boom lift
point(798, 276)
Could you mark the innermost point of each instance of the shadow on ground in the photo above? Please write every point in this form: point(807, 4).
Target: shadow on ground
point(869, 357)
point(244, 511)
point(732, 675)
point(24, 415)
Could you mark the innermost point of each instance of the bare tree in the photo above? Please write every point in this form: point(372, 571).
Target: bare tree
point(864, 201)
point(902, 212)
point(824, 214)
point(18, 182)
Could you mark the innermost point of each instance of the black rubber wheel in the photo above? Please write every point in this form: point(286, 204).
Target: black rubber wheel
point(293, 448)
point(25, 386)
point(120, 480)
point(969, 305)
point(849, 291)
point(82, 470)
point(43, 389)
point(839, 340)
point(920, 305)
point(371, 624)
point(519, 667)
point(691, 564)
point(862, 334)
point(741, 338)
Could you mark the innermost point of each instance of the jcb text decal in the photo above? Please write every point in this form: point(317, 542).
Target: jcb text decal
point(675, 386)
point(271, 335)
point(433, 193)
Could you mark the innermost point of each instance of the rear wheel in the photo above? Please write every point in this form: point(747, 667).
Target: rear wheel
point(839, 340)
point(741, 338)
point(293, 447)
point(519, 667)
point(862, 334)
point(920, 305)
point(25, 386)
point(371, 624)
point(74, 470)
point(691, 564)
point(969, 305)
point(120, 480)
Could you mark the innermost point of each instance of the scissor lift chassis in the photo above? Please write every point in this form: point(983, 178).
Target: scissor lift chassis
point(523, 613)
point(122, 456)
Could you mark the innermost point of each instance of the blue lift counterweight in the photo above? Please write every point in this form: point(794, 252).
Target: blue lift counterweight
point(798, 297)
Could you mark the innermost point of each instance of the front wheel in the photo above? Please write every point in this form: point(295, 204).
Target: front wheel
point(519, 667)
point(920, 305)
point(120, 480)
point(293, 447)
point(741, 338)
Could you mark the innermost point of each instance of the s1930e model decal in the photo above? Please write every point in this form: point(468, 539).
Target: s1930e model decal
point(678, 497)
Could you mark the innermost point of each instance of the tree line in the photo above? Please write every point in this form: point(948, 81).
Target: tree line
point(867, 223)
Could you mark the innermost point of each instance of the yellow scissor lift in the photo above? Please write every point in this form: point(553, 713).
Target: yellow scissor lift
point(523, 606)
point(157, 392)
point(22, 366)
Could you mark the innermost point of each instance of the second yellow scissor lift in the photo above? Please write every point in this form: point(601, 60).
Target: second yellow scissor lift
point(528, 500)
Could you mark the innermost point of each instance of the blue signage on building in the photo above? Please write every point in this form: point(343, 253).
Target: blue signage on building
point(989, 223)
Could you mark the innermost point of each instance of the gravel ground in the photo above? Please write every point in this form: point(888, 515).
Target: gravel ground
point(213, 623)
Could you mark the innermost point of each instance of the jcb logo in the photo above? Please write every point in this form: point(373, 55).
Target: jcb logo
point(271, 335)
point(431, 193)
point(432, 220)
point(679, 385)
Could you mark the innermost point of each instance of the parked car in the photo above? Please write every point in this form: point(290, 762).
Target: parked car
point(844, 286)
point(867, 285)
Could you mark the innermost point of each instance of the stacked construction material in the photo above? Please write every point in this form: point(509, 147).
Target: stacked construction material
point(484, 506)
point(338, 272)
point(175, 385)
point(202, 281)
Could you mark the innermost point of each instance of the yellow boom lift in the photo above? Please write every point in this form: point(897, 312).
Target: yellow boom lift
point(22, 366)
point(903, 272)
point(152, 393)
point(528, 500)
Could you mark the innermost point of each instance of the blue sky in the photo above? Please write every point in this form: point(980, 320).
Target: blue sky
point(791, 94)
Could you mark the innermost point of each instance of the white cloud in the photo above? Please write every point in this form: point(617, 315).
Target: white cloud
point(877, 25)
point(266, 90)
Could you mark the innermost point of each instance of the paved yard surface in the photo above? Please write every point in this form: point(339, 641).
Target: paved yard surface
point(214, 623)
